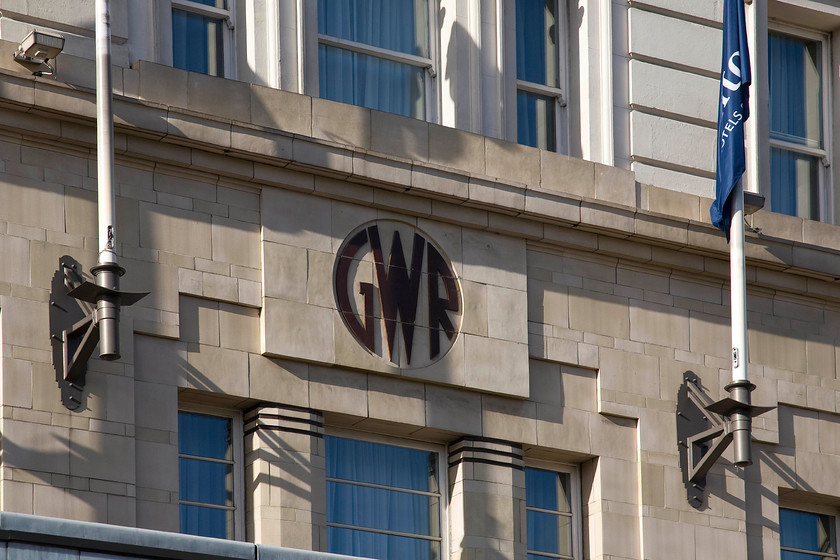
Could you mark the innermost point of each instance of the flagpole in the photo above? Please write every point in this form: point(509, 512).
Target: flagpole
point(106, 272)
point(740, 388)
point(734, 110)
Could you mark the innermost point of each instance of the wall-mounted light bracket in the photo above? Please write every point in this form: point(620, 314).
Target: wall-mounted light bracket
point(705, 429)
point(76, 341)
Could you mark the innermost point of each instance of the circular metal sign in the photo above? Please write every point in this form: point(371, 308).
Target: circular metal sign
point(397, 293)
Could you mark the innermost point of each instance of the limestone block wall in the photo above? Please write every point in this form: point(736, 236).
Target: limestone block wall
point(640, 328)
point(606, 290)
point(672, 93)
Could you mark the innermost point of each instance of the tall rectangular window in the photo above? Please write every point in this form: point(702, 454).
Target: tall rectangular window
point(199, 35)
point(798, 154)
point(383, 501)
point(376, 54)
point(539, 76)
point(806, 536)
point(549, 515)
point(206, 475)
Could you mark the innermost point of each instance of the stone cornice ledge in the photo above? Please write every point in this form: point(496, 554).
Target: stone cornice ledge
point(419, 168)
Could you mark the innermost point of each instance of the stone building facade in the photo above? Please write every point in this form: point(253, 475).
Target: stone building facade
point(323, 273)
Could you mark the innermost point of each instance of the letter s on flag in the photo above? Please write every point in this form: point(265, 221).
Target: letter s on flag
point(734, 110)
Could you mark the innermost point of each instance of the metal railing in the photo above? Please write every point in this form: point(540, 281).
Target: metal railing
point(32, 537)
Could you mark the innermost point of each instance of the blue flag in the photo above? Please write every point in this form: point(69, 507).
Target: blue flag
point(735, 79)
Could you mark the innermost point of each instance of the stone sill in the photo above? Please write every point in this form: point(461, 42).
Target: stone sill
point(266, 136)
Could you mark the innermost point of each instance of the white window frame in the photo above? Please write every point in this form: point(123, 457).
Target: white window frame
point(312, 39)
point(825, 194)
point(443, 483)
point(559, 94)
point(574, 490)
point(227, 16)
point(832, 513)
point(237, 453)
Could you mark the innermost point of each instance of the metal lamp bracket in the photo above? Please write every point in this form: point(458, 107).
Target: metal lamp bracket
point(705, 429)
point(78, 340)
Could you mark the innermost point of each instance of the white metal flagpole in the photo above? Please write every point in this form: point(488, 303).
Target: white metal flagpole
point(106, 272)
point(734, 110)
point(740, 387)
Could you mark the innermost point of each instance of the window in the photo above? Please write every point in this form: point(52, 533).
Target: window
point(209, 477)
point(201, 36)
point(383, 501)
point(376, 54)
point(798, 117)
point(540, 74)
point(550, 512)
point(806, 536)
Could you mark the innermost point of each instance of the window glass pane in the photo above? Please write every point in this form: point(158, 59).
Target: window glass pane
point(536, 41)
point(206, 482)
point(805, 531)
point(206, 522)
point(535, 121)
point(788, 555)
point(547, 490)
point(372, 82)
point(396, 25)
point(381, 546)
point(549, 532)
point(397, 507)
point(214, 3)
point(204, 436)
point(794, 184)
point(378, 463)
point(363, 506)
point(197, 43)
point(795, 89)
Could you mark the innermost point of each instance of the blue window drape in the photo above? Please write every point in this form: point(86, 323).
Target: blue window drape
point(805, 531)
point(794, 183)
point(371, 81)
point(393, 505)
point(796, 117)
point(536, 62)
point(536, 42)
point(205, 474)
point(197, 43)
point(535, 118)
point(546, 501)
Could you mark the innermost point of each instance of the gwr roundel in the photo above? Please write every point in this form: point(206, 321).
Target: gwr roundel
point(397, 293)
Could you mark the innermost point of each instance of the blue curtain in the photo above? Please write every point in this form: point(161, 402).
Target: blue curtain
point(794, 184)
point(795, 91)
point(205, 482)
point(387, 24)
point(388, 509)
point(370, 81)
point(536, 61)
point(535, 120)
point(805, 531)
point(536, 41)
point(197, 43)
point(206, 522)
point(547, 532)
point(202, 435)
point(795, 117)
